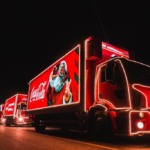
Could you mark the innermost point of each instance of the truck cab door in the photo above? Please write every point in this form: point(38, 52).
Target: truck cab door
point(113, 84)
point(18, 111)
point(21, 109)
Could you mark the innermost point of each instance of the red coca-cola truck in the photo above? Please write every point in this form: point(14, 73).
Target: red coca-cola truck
point(94, 87)
point(15, 110)
point(2, 120)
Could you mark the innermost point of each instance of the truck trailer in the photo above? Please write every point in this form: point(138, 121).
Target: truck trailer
point(95, 87)
point(15, 111)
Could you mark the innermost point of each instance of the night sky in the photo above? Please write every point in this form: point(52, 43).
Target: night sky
point(36, 33)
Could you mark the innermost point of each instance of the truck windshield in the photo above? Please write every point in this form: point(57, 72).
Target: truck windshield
point(137, 72)
point(23, 106)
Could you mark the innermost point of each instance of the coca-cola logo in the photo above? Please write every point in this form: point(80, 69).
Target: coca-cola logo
point(10, 107)
point(38, 94)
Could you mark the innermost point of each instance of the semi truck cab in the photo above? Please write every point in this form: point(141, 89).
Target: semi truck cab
point(122, 89)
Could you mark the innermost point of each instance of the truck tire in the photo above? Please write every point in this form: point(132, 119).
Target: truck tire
point(8, 124)
point(100, 125)
point(39, 127)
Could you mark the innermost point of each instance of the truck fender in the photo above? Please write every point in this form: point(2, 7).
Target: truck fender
point(38, 126)
point(99, 122)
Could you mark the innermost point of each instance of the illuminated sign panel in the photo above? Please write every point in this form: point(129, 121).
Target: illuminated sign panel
point(11, 103)
point(21, 98)
point(109, 51)
point(9, 106)
point(58, 84)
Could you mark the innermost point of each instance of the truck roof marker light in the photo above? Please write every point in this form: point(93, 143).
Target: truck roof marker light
point(113, 56)
point(138, 87)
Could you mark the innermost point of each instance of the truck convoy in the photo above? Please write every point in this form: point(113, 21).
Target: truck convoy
point(15, 111)
point(94, 87)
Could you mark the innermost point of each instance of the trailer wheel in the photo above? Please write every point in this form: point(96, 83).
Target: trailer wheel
point(8, 124)
point(39, 127)
point(100, 125)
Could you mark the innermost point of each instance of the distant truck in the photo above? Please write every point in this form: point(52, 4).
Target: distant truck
point(15, 110)
point(2, 120)
point(94, 87)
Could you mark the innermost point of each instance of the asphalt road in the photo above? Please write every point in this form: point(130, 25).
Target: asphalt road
point(24, 138)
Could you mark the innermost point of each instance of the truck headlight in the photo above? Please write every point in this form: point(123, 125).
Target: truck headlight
point(3, 120)
point(140, 125)
point(20, 119)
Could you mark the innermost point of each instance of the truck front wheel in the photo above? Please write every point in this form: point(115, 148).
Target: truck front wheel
point(8, 124)
point(100, 124)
